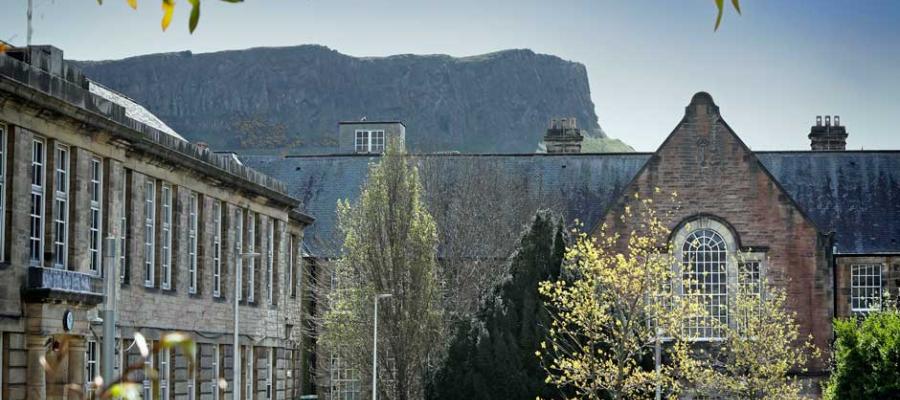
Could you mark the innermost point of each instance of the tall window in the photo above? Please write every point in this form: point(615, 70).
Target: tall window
point(251, 261)
point(2, 192)
point(239, 250)
point(95, 188)
point(165, 251)
point(291, 265)
point(217, 248)
point(704, 262)
point(192, 243)
point(165, 373)
point(250, 383)
point(345, 382)
point(217, 372)
point(90, 368)
point(36, 238)
point(362, 141)
point(61, 207)
point(192, 380)
point(149, 232)
point(270, 262)
point(123, 227)
point(865, 288)
point(148, 364)
point(270, 374)
point(376, 142)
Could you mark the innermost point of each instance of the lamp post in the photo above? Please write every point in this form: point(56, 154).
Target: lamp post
point(375, 347)
point(236, 353)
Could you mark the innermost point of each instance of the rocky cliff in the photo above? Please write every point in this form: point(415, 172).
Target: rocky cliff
point(292, 98)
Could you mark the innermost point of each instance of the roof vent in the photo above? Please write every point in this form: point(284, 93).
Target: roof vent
point(828, 137)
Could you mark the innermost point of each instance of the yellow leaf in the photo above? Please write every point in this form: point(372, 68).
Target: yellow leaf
point(168, 7)
point(133, 4)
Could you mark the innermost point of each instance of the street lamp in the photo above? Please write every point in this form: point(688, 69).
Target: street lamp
point(235, 353)
point(375, 347)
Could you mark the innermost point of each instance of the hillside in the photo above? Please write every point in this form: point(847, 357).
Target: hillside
point(291, 98)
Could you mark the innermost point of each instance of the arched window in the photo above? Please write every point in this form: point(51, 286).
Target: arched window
point(704, 269)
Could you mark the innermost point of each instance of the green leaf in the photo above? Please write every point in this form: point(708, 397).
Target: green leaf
point(720, 5)
point(125, 391)
point(737, 5)
point(195, 15)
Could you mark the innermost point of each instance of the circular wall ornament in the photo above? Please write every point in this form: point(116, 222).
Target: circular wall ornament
point(68, 320)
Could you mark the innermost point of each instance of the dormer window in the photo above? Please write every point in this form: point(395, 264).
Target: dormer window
point(369, 141)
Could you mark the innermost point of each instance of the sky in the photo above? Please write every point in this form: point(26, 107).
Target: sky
point(770, 70)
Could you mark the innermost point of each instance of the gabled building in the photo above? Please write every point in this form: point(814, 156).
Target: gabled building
point(823, 224)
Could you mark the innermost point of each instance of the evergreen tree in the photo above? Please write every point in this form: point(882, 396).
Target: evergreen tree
point(493, 355)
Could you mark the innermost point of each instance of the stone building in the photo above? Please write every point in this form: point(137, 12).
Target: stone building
point(822, 224)
point(78, 163)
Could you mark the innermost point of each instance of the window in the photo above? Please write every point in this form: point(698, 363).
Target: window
point(270, 378)
point(369, 141)
point(345, 383)
point(2, 192)
point(91, 369)
point(123, 228)
point(250, 383)
point(376, 142)
point(149, 231)
point(148, 364)
point(61, 207)
point(749, 274)
point(95, 189)
point(362, 141)
point(192, 380)
point(704, 262)
point(36, 238)
point(165, 357)
point(216, 373)
point(270, 262)
point(165, 253)
point(217, 249)
point(192, 243)
point(291, 265)
point(238, 251)
point(865, 288)
point(251, 260)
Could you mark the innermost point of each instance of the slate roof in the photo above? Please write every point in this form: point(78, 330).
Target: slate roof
point(855, 194)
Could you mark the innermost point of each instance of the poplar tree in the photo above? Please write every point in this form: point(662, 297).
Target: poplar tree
point(389, 247)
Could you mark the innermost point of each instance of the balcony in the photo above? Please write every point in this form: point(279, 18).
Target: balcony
point(52, 284)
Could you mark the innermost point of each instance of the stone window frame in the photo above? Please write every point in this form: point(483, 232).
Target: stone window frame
point(270, 373)
point(238, 251)
point(164, 368)
point(191, 380)
point(217, 248)
point(193, 234)
point(3, 139)
point(149, 362)
point(95, 223)
point(165, 226)
point(123, 226)
point(250, 385)
point(871, 290)
point(62, 156)
point(91, 367)
point(252, 231)
point(216, 371)
point(731, 245)
point(38, 199)
point(292, 262)
point(149, 232)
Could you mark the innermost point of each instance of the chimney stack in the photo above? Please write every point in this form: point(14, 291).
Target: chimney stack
point(828, 137)
point(563, 136)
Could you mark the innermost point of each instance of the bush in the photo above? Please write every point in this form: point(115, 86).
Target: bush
point(867, 358)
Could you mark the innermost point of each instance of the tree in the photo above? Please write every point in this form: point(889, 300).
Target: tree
point(389, 246)
point(866, 356)
point(498, 345)
point(760, 352)
point(610, 310)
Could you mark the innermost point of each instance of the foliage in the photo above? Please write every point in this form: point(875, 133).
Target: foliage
point(760, 351)
point(867, 357)
point(592, 144)
point(168, 7)
point(720, 5)
point(499, 344)
point(611, 308)
point(124, 387)
point(390, 242)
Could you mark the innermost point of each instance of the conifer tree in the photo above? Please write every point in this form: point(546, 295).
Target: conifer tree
point(492, 355)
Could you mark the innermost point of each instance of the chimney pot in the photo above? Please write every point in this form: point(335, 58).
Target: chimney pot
point(827, 120)
point(837, 120)
point(818, 120)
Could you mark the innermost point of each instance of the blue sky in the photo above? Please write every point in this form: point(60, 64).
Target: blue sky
point(771, 70)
